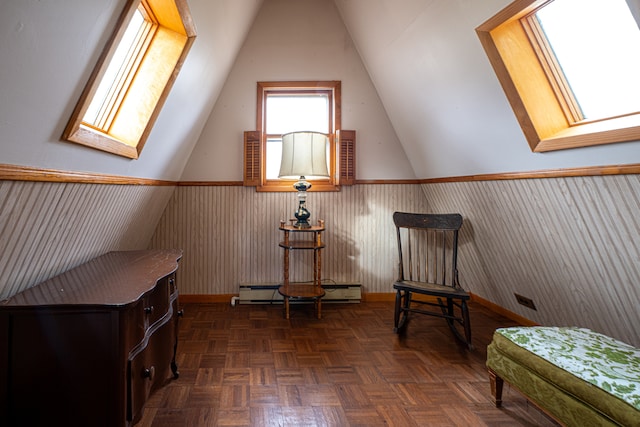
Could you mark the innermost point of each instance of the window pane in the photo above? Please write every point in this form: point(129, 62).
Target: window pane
point(274, 155)
point(116, 66)
point(597, 44)
point(291, 113)
point(296, 113)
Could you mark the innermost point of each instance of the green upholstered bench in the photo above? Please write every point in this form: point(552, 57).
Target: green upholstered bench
point(577, 376)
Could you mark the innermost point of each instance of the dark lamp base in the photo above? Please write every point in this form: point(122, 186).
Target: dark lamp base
point(302, 214)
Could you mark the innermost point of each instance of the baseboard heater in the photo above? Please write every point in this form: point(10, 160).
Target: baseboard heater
point(267, 293)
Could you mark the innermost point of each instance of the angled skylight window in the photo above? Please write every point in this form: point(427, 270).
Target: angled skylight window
point(133, 77)
point(569, 69)
point(121, 68)
point(599, 53)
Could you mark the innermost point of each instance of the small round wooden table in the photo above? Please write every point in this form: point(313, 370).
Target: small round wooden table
point(303, 291)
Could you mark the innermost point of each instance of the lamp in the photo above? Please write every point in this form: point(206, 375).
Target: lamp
point(304, 155)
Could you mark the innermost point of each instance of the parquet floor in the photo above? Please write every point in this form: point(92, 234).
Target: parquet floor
point(247, 366)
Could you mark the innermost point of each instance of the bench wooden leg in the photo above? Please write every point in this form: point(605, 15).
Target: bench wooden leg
point(496, 388)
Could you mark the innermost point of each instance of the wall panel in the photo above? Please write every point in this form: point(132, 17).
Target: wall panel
point(570, 244)
point(47, 228)
point(230, 234)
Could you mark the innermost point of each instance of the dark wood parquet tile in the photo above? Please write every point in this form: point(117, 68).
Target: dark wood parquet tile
point(247, 366)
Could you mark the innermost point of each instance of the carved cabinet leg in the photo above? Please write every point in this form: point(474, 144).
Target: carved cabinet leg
point(496, 388)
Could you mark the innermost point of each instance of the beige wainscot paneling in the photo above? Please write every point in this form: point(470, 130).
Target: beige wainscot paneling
point(47, 228)
point(570, 244)
point(230, 235)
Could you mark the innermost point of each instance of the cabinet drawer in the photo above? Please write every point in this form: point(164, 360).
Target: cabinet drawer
point(147, 311)
point(173, 286)
point(150, 367)
point(155, 303)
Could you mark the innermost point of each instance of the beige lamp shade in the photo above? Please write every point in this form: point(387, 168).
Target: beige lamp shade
point(304, 154)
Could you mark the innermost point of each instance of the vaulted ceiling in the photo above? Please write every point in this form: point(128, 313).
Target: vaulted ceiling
point(441, 109)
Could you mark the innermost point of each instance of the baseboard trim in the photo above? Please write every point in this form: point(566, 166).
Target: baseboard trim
point(378, 297)
point(368, 297)
point(521, 320)
point(206, 298)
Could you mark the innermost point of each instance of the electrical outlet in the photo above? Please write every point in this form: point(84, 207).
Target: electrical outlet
point(527, 302)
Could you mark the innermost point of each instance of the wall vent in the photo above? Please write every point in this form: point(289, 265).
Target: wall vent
point(527, 302)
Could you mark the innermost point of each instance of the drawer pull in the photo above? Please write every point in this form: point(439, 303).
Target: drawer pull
point(180, 313)
point(149, 373)
point(148, 310)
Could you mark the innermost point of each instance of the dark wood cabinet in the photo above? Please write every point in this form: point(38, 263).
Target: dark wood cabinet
point(88, 347)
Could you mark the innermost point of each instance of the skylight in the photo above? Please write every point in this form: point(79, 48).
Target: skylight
point(569, 69)
point(597, 45)
point(119, 67)
point(132, 78)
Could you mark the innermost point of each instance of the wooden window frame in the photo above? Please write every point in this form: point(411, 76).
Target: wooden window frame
point(545, 114)
point(149, 85)
point(333, 90)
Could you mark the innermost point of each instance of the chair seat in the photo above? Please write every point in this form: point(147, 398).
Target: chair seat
point(431, 288)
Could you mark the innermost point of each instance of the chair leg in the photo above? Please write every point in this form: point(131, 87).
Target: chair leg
point(466, 321)
point(449, 311)
point(407, 301)
point(401, 313)
point(396, 313)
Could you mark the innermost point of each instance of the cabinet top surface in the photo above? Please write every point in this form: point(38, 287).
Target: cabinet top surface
point(113, 279)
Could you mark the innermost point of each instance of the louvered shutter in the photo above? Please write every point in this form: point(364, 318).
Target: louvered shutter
point(346, 140)
point(251, 158)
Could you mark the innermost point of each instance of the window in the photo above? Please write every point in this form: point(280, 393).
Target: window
point(284, 107)
point(567, 70)
point(126, 90)
point(291, 112)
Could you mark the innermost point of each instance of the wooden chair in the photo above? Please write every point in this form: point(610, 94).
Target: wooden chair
point(427, 251)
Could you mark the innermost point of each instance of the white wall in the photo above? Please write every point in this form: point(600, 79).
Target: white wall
point(47, 52)
point(442, 98)
point(297, 40)
point(441, 94)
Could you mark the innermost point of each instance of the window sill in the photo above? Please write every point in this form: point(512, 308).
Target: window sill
point(101, 141)
point(619, 129)
point(287, 186)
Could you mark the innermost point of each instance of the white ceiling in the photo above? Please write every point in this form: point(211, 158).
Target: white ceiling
point(439, 101)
